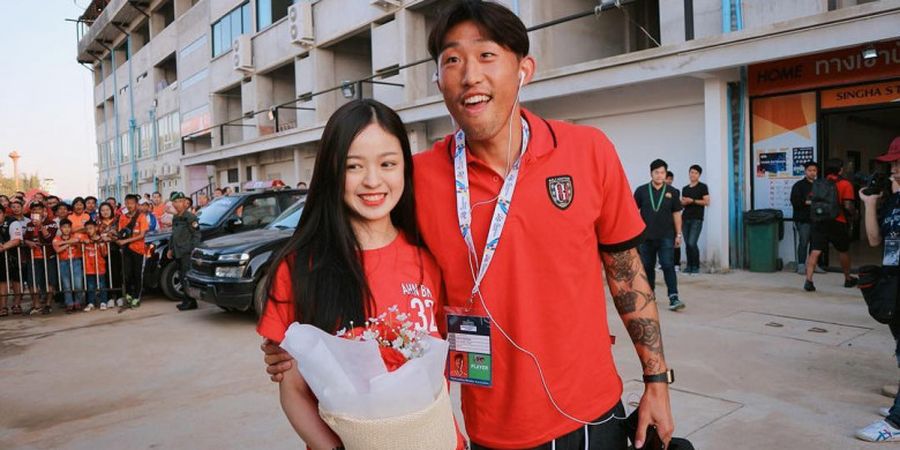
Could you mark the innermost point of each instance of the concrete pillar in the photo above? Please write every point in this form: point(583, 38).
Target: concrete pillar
point(715, 172)
point(241, 172)
point(298, 167)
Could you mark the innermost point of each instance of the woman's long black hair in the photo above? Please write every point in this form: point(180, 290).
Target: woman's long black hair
point(329, 283)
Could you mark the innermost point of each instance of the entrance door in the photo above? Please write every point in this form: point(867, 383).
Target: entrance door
point(857, 136)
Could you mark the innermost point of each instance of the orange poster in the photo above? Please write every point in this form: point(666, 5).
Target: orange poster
point(866, 94)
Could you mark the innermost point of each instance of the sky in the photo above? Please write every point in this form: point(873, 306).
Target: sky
point(45, 96)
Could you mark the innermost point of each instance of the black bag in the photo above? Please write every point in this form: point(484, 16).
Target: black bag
point(879, 289)
point(824, 203)
point(126, 232)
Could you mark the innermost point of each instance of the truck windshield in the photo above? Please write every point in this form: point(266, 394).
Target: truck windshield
point(213, 212)
point(289, 219)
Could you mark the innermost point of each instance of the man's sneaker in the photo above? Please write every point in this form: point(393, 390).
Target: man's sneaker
point(884, 412)
point(34, 311)
point(89, 307)
point(134, 302)
point(677, 268)
point(120, 302)
point(46, 310)
point(801, 269)
point(880, 431)
point(809, 286)
point(851, 282)
point(675, 304)
point(102, 306)
point(819, 269)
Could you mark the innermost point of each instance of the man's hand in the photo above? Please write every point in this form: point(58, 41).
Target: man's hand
point(870, 201)
point(655, 410)
point(278, 361)
point(678, 240)
point(121, 242)
point(686, 201)
point(169, 254)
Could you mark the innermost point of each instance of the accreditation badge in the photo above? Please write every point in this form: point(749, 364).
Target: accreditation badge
point(891, 252)
point(469, 360)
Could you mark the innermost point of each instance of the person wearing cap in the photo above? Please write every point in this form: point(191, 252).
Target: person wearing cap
point(185, 237)
point(883, 227)
point(146, 208)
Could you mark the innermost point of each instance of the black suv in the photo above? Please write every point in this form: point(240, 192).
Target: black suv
point(230, 271)
point(223, 216)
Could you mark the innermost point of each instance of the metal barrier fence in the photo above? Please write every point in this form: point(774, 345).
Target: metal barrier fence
point(24, 263)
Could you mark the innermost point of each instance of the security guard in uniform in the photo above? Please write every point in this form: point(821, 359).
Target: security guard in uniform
point(185, 237)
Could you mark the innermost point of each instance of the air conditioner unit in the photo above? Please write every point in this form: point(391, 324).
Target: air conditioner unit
point(300, 21)
point(386, 4)
point(242, 53)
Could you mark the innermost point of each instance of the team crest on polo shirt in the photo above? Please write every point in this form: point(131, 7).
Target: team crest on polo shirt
point(561, 190)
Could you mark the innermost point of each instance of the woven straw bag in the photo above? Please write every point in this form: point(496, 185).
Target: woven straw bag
point(432, 428)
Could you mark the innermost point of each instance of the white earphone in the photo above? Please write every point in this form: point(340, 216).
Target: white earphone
point(521, 78)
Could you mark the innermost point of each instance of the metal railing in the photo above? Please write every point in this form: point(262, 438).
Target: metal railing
point(36, 270)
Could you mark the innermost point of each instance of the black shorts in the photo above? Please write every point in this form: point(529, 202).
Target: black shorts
point(9, 270)
point(834, 232)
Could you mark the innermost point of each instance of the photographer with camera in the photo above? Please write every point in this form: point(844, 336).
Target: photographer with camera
point(879, 285)
point(132, 227)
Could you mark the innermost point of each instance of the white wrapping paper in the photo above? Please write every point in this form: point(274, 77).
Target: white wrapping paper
point(349, 377)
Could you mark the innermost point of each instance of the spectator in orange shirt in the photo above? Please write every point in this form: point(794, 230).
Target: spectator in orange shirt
point(40, 272)
point(159, 206)
point(95, 252)
point(68, 249)
point(79, 216)
point(90, 206)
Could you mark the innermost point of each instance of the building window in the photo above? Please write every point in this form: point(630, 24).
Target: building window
point(249, 173)
point(271, 11)
point(232, 175)
point(101, 156)
point(169, 129)
point(146, 137)
point(229, 27)
point(125, 152)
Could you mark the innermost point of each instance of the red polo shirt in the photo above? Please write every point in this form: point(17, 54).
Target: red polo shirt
point(545, 284)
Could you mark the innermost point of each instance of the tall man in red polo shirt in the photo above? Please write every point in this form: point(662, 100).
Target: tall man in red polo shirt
point(549, 204)
point(835, 231)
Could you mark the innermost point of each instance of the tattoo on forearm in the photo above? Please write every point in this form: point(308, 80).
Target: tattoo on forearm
point(645, 332)
point(621, 267)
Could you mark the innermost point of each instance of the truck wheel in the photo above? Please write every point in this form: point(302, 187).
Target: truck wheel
point(170, 282)
point(260, 296)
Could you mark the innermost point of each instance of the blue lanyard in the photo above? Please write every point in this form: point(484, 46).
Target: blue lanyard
point(501, 211)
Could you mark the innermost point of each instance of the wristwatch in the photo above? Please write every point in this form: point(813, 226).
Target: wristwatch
point(667, 377)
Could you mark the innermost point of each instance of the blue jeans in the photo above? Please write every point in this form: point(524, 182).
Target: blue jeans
point(94, 283)
point(894, 417)
point(804, 231)
point(691, 229)
point(665, 250)
point(70, 272)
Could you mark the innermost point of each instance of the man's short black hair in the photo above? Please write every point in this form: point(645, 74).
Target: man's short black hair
point(811, 164)
point(134, 197)
point(112, 198)
point(60, 205)
point(157, 193)
point(697, 168)
point(669, 174)
point(16, 201)
point(64, 222)
point(90, 222)
point(497, 22)
point(833, 166)
point(90, 197)
point(78, 200)
point(52, 197)
point(657, 163)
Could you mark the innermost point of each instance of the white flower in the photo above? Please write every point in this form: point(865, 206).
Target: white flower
point(407, 325)
point(369, 335)
point(397, 343)
point(402, 317)
point(393, 309)
point(409, 333)
point(407, 353)
point(341, 332)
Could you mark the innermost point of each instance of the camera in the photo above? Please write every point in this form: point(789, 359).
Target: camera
point(875, 183)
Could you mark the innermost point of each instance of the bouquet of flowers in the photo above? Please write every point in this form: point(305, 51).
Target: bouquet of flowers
point(380, 385)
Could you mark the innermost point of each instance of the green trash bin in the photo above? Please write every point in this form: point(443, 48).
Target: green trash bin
point(764, 229)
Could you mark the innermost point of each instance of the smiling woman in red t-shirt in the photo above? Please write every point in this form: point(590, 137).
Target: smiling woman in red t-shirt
point(356, 250)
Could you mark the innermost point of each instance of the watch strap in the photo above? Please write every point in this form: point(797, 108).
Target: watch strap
point(667, 377)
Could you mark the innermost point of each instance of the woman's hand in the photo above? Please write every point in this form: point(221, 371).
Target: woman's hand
point(278, 360)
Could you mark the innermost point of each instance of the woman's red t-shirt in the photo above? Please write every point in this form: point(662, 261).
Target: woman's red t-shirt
point(399, 274)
